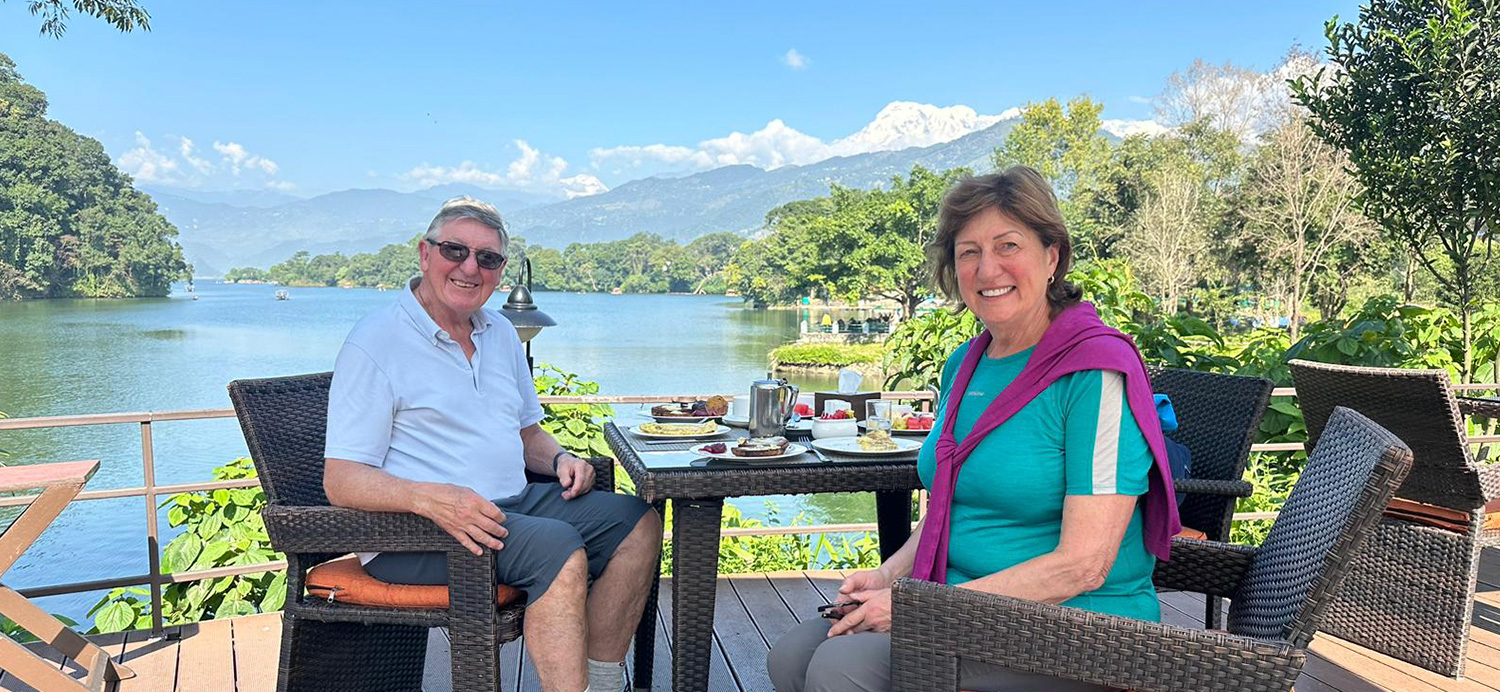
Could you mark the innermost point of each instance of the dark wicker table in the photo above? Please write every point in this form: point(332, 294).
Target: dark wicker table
point(697, 488)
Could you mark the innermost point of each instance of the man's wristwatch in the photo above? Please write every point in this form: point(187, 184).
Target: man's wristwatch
point(555, 458)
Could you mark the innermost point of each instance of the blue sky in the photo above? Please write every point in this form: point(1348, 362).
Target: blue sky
point(311, 97)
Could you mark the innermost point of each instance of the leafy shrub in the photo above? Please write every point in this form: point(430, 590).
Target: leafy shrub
point(831, 355)
point(577, 427)
point(224, 528)
point(917, 349)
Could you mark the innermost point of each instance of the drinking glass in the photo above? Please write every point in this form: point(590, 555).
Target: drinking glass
point(878, 415)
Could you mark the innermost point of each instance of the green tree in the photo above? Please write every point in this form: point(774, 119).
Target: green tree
point(70, 222)
point(1299, 202)
point(125, 15)
point(1068, 147)
point(1413, 103)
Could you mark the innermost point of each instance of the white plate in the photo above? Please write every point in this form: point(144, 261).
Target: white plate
point(850, 445)
point(804, 425)
point(718, 430)
point(792, 449)
point(900, 431)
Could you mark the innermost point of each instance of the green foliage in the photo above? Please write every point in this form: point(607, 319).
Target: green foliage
point(246, 274)
point(1410, 103)
point(577, 427)
point(18, 634)
point(1386, 333)
point(223, 529)
point(70, 222)
point(832, 355)
point(780, 552)
point(125, 15)
point(851, 244)
point(918, 348)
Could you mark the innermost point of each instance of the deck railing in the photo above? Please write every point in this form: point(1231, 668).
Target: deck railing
point(149, 491)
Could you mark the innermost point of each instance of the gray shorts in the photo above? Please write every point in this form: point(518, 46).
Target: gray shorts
point(544, 530)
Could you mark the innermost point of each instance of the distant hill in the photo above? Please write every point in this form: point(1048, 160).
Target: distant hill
point(224, 230)
point(735, 198)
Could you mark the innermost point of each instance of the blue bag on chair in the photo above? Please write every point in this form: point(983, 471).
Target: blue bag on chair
point(1179, 457)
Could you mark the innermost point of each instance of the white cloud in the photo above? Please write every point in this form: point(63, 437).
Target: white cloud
point(531, 171)
point(239, 159)
point(148, 165)
point(899, 125)
point(795, 60)
point(280, 185)
point(185, 147)
point(1126, 128)
point(1140, 99)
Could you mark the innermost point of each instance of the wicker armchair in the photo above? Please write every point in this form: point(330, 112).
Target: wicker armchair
point(1217, 416)
point(1411, 594)
point(328, 645)
point(1279, 593)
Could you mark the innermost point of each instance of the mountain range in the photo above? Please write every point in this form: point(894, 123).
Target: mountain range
point(221, 230)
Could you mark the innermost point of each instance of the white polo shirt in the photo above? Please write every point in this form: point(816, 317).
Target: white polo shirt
point(405, 399)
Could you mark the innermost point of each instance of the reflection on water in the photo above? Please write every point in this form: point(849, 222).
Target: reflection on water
point(70, 357)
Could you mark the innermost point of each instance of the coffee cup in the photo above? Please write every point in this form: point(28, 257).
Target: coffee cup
point(739, 407)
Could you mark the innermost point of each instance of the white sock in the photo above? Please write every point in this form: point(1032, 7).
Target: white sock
point(606, 676)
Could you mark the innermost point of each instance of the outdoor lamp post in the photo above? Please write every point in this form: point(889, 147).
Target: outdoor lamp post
point(522, 312)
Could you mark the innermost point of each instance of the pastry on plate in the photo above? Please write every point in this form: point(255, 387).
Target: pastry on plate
point(760, 447)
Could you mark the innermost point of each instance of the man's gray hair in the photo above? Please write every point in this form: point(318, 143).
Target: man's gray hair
point(469, 208)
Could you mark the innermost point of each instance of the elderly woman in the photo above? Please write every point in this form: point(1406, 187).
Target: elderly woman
point(1063, 495)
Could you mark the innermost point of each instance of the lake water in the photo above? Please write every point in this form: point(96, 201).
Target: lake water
point(70, 357)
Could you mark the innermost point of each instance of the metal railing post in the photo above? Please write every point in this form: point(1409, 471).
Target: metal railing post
point(153, 547)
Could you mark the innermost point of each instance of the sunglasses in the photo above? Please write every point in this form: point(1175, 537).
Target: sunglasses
point(457, 253)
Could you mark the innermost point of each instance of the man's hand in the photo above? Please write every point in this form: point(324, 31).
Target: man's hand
point(575, 475)
point(872, 615)
point(471, 520)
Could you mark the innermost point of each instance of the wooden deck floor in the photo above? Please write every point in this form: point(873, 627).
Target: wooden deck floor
point(239, 655)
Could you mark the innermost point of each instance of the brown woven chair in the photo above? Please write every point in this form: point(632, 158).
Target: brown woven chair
point(1279, 593)
point(1411, 594)
point(1217, 418)
point(328, 645)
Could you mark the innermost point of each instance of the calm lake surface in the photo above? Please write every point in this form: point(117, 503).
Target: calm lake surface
point(71, 357)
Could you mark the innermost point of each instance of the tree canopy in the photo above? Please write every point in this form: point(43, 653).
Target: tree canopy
point(70, 222)
point(1413, 98)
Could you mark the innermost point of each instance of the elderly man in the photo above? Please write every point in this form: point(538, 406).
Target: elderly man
point(432, 410)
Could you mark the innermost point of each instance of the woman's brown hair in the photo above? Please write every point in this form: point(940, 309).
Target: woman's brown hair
point(1019, 193)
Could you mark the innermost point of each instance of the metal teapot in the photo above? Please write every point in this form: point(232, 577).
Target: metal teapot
point(772, 402)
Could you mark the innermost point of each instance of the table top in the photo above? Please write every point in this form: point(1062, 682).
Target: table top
point(670, 470)
point(35, 476)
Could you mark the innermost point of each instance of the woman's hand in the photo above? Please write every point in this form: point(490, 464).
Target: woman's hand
point(868, 580)
point(872, 615)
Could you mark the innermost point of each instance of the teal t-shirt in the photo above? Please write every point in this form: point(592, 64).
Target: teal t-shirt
point(1075, 438)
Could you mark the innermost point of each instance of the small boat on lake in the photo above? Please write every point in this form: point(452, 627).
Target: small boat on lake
point(283, 295)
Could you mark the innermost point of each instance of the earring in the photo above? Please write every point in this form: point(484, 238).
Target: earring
point(1052, 278)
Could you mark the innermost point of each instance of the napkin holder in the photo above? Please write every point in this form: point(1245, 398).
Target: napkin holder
point(856, 401)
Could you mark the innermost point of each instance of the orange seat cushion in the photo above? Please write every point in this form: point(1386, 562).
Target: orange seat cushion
point(348, 582)
point(1192, 533)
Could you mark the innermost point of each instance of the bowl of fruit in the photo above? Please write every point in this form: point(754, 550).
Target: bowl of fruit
point(838, 423)
point(913, 423)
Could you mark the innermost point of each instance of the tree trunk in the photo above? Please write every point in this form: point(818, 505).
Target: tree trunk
point(1296, 312)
